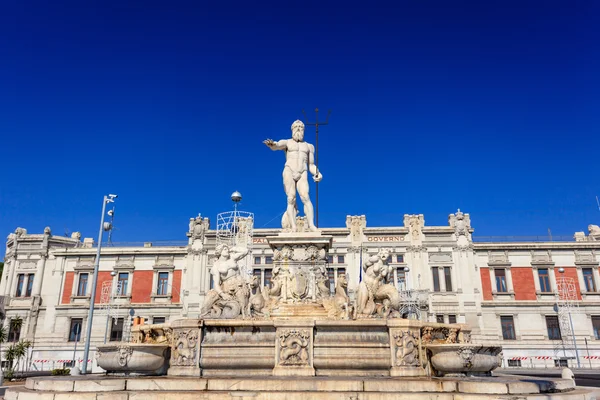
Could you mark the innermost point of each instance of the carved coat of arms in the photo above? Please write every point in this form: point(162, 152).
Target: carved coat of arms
point(299, 285)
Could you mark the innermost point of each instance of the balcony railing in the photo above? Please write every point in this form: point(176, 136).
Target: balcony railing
point(156, 243)
point(540, 238)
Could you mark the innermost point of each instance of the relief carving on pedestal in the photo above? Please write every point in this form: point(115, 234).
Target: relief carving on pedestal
point(185, 347)
point(294, 347)
point(407, 351)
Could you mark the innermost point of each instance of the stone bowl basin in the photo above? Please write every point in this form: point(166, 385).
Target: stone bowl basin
point(462, 359)
point(134, 358)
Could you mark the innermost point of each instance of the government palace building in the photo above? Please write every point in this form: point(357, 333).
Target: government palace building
point(538, 299)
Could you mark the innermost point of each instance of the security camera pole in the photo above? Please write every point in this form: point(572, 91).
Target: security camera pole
point(107, 199)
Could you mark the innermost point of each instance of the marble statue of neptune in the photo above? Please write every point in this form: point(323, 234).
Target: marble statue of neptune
point(298, 154)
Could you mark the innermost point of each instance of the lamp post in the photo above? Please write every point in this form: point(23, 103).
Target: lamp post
point(103, 227)
point(562, 271)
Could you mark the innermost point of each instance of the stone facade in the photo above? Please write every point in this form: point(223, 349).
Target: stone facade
point(485, 284)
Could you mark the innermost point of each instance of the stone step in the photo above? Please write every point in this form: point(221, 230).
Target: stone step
point(269, 388)
point(21, 393)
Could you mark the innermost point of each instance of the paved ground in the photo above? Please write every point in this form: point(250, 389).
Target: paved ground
point(583, 377)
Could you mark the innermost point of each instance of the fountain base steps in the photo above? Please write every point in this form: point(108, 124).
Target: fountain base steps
point(296, 388)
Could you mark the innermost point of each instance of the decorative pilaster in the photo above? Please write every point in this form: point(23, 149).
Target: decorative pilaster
point(185, 348)
point(294, 355)
point(406, 357)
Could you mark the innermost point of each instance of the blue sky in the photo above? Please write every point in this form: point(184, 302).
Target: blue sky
point(491, 107)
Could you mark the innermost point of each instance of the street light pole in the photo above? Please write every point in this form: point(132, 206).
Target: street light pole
point(107, 199)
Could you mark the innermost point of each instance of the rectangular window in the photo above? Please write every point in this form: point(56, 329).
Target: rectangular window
point(331, 276)
point(389, 259)
point(14, 330)
point(588, 279)
point(400, 258)
point(439, 318)
point(508, 327)
point(514, 363)
point(257, 260)
point(211, 282)
point(29, 285)
point(269, 260)
point(341, 260)
point(553, 327)
point(163, 281)
point(401, 279)
point(452, 318)
point(268, 275)
point(116, 330)
point(544, 280)
point(561, 363)
point(436, 279)
point(330, 259)
point(122, 285)
point(596, 326)
point(20, 282)
point(501, 280)
point(75, 330)
point(448, 279)
point(159, 320)
point(82, 286)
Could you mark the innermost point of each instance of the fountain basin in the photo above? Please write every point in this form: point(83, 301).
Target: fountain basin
point(134, 358)
point(462, 359)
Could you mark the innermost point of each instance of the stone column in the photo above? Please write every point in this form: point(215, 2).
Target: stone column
point(294, 348)
point(509, 281)
point(405, 338)
point(185, 347)
point(581, 280)
point(552, 276)
point(39, 276)
point(493, 280)
point(536, 279)
point(10, 266)
point(442, 279)
point(596, 276)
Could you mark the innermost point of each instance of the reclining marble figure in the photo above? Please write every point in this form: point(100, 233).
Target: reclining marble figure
point(229, 298)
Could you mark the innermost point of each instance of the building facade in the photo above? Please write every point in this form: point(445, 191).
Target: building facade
point(506, 290)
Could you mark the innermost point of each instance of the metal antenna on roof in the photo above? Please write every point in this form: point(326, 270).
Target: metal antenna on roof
point(316, 124)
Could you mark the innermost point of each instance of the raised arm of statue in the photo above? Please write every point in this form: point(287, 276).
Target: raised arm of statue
point(237, 253)
point(317, 176)
point(273, 145)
